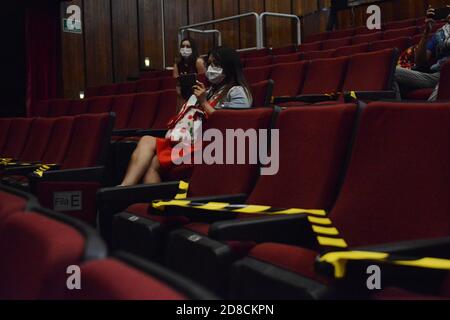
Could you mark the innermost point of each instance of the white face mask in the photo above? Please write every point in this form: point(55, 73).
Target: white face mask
point(186, 52)
point(215, 75)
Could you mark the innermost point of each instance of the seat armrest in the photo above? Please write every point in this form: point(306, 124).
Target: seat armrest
point(296, 230)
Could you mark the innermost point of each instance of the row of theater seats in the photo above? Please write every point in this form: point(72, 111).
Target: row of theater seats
point(74, 149)
point(42, 249)
point(373, 169)
point(401, 44)
point(387, 27)
point(360, 72)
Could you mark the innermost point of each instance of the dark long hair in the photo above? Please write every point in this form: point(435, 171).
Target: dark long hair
point(230, 62)
point(192, 60)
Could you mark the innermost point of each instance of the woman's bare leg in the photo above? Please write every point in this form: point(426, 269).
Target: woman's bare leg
point(140, 161)
point(153, 173)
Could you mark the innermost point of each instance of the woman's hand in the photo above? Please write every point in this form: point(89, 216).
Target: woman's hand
point(200, 92)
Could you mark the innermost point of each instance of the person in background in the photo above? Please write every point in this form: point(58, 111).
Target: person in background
point(229, 89)
point(336, 5)
point(432, 47)
point(188, 60)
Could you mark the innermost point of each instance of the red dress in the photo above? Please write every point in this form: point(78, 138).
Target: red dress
point(165, 146)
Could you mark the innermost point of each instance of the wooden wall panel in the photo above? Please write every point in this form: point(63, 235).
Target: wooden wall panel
point(150, 33)
point(175, 16)
point(201, 11)
point(230, 29)
point(97, 27)
point(279, 31)
point(248, 31)
point(72, 58)
point(302, 7)
point(125, 37)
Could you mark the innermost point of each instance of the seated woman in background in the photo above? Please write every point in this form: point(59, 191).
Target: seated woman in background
point(188, 60)
point(229, 89)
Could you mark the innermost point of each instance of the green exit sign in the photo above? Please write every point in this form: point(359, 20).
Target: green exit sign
point(72, 26)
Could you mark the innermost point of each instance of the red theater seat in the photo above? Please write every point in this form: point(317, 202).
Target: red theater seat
point(381, 200)
point(351, 50)
point(288, 78)
point(398, 33)
point(336, 43)
point(400, 43)
point(365, 38)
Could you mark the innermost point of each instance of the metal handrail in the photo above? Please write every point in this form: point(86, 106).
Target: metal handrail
point(280, 15)
point(219, 38)
point(259, 39)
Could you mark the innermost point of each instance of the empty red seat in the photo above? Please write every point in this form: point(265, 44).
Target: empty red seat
point(325, 76)
point(363, 30)
point(258, 62)
point(370, 37)
point(144, 110)
point(13, 201)
point(262, 93)
point(323, 54)
point(40, 108)
point(167, 108)
point(101, 104)
point(148, 85)
point(17, 137)
point(351, 50)
point(336, 43)
point(311, 46)
point(343, 33)
point(398, 33)
point(316, 37)
point(122, 106)
point(258, 74)
point(400, 24)
point(256, 53)
point(284, 50)
point(127, 87)
point(381, 200)
point(39, 137)
point(400, 43)
point(371, 71)
point(59, 107)
point(50, 246)
point(107, 90)
point(56, 149)
point(288, 78)
point(78, 107)
point(167, 83)
point(287, 58)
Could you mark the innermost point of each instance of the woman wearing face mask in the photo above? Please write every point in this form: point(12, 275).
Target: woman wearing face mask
point(188, 60)
point(229, 89)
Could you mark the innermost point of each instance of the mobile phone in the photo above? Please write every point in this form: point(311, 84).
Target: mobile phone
point(187, 81)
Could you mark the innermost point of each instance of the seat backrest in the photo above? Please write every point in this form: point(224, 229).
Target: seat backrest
point(371, 71)
point(144, 110)
point(397, 33)
point(112, 279)
point(42, 248)
point(127, 88)
point(59, 141)
point(288, 78)
point(444, 83)
point(217, 179)
point(363, 30)
point(40, 108)
point(122, 106)
point(287, 58)
point(59, 107)
point(257, 53)
point(148, 85)
point(17, 137)
point(325, 76)
point(166, 110)
point(370, 37)
point(168, 83)
point(401, 44)
point(310, 46)
point(284, 50)
point(396, 187)
point(351, 50)
point(12, 201)
point(78, 107)
point(108, 89)
point(322, 54)
point(100, 104)
point(400, 24)
point(341, 33)
point(4, 128)
point(262, 93)
point(258, 74)
point(311, 158)
point(316, 37)
point(258, 62)
point(39, 137)
point(336, 43)
point(90, 135)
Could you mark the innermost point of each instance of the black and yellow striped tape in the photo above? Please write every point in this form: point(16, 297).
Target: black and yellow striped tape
point(339, 261)
point(44, 168)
